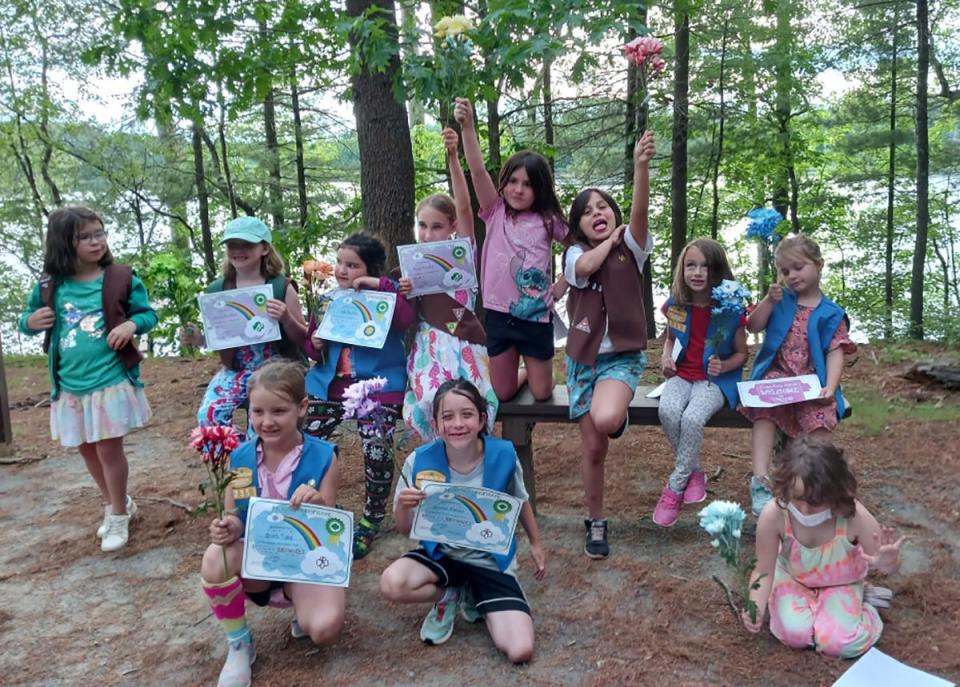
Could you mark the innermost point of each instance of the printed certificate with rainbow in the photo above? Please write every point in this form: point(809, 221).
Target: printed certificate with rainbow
point(237, 317)
point(438, 266)
point(358, 318)
point(311, 544)
point(472, 517)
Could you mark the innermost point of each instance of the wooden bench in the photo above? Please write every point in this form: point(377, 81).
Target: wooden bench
point(520, 414)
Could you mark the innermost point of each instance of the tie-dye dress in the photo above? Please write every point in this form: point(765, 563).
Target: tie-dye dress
point(817, 596)
point(437, 356)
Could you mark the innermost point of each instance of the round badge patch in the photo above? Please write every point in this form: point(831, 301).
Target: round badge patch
point(242, 477)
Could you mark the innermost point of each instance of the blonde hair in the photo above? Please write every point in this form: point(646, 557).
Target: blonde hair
point(800, 244)
point(271, 264)
point(718, 268)
point(280, 377)
point(441, 202)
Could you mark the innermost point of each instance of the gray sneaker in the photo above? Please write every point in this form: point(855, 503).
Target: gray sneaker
point(236, 670)
point(596, 545)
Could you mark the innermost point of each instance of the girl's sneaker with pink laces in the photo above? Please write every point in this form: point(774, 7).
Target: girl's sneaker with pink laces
point(696, 489)
point(668, 507)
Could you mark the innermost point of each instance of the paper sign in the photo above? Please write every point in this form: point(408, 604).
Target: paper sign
point(471, 517)
point(767, 393)
point(657, 392)
point(876, 668)
point(310, 544)
point(438, 266)
point(358, 318)
point(676, 351)
point(237, 317)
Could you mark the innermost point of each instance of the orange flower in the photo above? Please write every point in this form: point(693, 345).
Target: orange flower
point(317, 269)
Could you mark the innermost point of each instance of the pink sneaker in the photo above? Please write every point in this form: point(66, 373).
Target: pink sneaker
point(668, 507)
point(696, 489)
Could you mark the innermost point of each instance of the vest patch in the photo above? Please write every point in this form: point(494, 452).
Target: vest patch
point(242, 477)
point(429, 476)
point(676, 314)
point(451, 327)
point(245, 493)
point(583, 325)
point(458, 313)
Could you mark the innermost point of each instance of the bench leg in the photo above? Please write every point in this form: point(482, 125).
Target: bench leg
point(520, 433)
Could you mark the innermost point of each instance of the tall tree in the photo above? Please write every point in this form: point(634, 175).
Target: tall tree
point(678, 186)
point(923, 173)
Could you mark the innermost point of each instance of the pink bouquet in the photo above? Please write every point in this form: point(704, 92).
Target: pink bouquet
point(645, 52)
point(215, 443)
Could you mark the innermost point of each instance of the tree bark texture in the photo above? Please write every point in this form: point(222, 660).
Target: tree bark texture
point(678, 185)
point(203, 208)
point(891, 186)
point(273, 148)
point(923, 173)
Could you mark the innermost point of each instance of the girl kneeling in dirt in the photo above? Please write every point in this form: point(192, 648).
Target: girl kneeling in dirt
point(482, 584)
point(815, 544)
point(281, 464)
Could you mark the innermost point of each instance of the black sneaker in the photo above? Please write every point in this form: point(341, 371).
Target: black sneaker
point(596, 546)
point(623, 427)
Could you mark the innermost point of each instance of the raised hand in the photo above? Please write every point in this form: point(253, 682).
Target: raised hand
point(644, 149)
point(451, 141)
point(463, 113)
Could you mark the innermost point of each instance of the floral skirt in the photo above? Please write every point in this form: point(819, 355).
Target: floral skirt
point(104, 414)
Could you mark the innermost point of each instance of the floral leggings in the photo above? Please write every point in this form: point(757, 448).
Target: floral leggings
point(325, 416)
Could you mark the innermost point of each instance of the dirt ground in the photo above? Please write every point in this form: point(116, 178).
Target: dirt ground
point(647, 615)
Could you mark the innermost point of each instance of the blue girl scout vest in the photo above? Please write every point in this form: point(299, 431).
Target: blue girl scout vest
point(499, 465)
point(823, 324)
point(314, 461)
point(719, 342)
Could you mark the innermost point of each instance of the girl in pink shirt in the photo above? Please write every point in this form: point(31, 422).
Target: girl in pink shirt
point(523, 219)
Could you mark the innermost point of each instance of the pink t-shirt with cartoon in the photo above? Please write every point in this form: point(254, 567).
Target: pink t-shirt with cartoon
point(515, 266)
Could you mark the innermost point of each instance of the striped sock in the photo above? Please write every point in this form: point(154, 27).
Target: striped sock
point(226, 602)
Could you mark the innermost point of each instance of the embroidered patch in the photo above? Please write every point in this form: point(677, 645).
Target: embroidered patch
point(458, 313)
point(583, 325)
point(245, 493)
point(429, 476)
point(242, 477)
point(677, 313)
point(451, 327)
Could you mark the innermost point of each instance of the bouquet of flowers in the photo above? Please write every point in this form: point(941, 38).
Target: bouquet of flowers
point(215, 443)
point(315, 274)
point(359, 404)
point(763, 225)
point(730, 299)
point(645, 52)
point(454, 56)
point(723, 521)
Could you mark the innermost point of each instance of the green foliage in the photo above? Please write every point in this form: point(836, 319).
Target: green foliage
point(873, 413)
point(172, 283)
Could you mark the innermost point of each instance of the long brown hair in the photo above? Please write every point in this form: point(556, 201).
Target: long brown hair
point(545, 201)
point(718, 268)
point(822, 470)
point(63, 227)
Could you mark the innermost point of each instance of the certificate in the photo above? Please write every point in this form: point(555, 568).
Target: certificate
point(471, 517)
point(438, 266)
point(358, 318)
point(310, 544)
point(767, 393)
point(237, 317)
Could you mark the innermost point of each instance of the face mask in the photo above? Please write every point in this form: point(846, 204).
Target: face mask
point(811, 520)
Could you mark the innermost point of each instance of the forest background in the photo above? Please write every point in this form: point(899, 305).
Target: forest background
point(323, 118)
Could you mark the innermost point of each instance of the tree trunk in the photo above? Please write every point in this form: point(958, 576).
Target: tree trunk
point(222, 135)
point(200, 179)
point(923, 172)
point(273, 147)
point(718, 155)
point(678, 185)
point(298, 142)
point(408, 22)
point(547, 93)
point(891, 186)
point(386, 155)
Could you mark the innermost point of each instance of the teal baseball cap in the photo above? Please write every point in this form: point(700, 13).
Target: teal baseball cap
point(248, 229)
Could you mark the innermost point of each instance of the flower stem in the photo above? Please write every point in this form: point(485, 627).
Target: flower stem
point(730, 601)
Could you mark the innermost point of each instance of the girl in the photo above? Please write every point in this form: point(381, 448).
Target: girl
point(90, 309)
point(361, 259)
point(608, 331)
point(250, 260)
point(281, 464)
point(815, 544)
point(465, 454)
point(450, 340)
point(806, 333)
point(703, 357)
point(523, 218)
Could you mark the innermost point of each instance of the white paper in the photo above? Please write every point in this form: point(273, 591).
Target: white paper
point(656, 392)
point(769, 393)
point(676, 351)
point(875, 668)
point(237, 317)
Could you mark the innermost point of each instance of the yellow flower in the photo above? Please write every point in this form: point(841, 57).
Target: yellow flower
point(452, 26)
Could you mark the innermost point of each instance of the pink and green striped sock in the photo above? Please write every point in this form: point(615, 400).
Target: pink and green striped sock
point(226, 602)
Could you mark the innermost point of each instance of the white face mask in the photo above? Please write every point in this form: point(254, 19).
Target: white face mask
point(811, 520)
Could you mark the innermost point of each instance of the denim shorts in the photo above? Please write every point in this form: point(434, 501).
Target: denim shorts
point(625, 367)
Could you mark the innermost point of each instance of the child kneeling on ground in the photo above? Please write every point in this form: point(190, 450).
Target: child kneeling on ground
point(483, 584)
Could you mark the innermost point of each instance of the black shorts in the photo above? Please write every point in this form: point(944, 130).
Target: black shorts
point(263, 598)
point(492, 590)
point(504, 331)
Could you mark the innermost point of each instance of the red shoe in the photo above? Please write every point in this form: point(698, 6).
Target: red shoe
point(668, 507)
point(696, 490)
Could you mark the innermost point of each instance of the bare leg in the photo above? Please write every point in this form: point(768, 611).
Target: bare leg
point(115, 470)
point(211, 568)
point(406, 581)
point(539, 377)
point(504, 375)
point(591, 465)
point(320, 610)
point(512, 633)
point(611, 398)
point(761, 443)
point(92, 460)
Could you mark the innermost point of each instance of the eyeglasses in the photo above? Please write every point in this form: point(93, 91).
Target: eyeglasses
point(91, 237)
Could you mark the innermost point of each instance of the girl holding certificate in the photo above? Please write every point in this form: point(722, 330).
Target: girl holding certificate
point(806, 333)
point(482, 584)
point(281, 464)
point(361, 260)
point(450, 339)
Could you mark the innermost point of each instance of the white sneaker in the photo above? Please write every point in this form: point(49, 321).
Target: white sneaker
point(108, 511)
point(117, 533)
point(296, 631)
point(236, 670)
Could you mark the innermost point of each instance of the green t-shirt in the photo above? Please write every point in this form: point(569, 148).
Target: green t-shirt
point(87, 363)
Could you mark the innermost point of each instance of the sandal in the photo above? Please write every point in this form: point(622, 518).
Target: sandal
point(363, 535)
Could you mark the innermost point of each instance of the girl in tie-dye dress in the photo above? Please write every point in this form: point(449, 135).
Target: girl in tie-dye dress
point(815, 545)
point(450, 339)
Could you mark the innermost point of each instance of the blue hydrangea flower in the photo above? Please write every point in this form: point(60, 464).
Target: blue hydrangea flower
point(763, 224)
point(730, 298)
